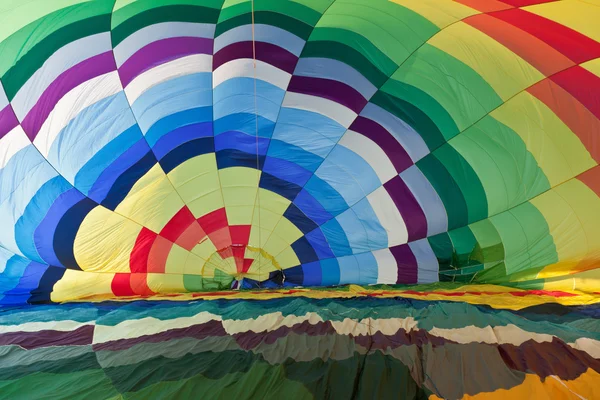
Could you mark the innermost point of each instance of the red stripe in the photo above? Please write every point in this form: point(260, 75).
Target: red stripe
point(247, 264)
point(178, 224)
point(213, 221)
point(581, 84)
point(525, 3)
point(240, 234)
point(120, 285)
point(138, 260)
point(578, 47)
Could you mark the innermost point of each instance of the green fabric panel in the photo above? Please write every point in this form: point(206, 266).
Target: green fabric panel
point(443, 249)
point(318, 5)
point(526, 237)
point(183, 13)
point(411, 115)
point(141, 6)
point(83, 362)
point(20, 43)
point(285, 22)
point(360, 44)
point(494, 274)
point(489, 244)
point(464, 243)
point(198, 283)
point(467, 181)
point(463, 93)
point(296, 13)
point(508, 172)
point(84, 385)
point(18, 75)
point(446, 187)
point(395, 30)
point(424, 113)
point(345, 54)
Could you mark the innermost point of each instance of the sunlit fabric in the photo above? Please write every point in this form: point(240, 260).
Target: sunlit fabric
point(183, 149)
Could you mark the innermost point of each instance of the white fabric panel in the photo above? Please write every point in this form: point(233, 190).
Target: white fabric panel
point(163, 30)
point(182, 66)
point(428, 266)
point(412, 142)
point(262, 33)
point(244, 68)
point(389, 216)
point(371, 153)
point(63, 59)
point(3, 98)
point(428, 199)
point(73, 103)
point(386, 266)
point(337, 112)
point(11, 144)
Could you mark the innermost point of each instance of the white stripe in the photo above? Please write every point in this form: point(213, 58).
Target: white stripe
point(262, 33)
point(371, 153)
point(188, 65)
point(72, 104)
point(62, 326)
point(387, 267)
point(337, 112)
point(3, 98)
point(63, 59)
point(427, 263)
point(163, 30)
point(243, 68)
point(11, 144)
point(410, 140)
point(389, 216)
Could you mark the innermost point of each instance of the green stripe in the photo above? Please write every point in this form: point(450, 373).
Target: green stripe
point(157, 15)
point(282, 21)
point(446, 187)
point(341, 52)
point(21, 42)
point(467, 181)
point(18, 75)
point(458, 89)
point(390, 99)
point(138, 7)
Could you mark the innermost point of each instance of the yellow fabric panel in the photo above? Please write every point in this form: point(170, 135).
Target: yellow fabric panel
point(176, 260)
point(586, 281)
point(287, 231)
point(240, 215)
point(505, 72)
point(239, 176)
point(573, 225)
point(287, 258)
point(592, 66)
point(582, 387)
point(275, 245)
point(239, 196)
point(152, 201)
point(104, 241)
point(194, 265)
point(122, 3)
point(272, 201)
point(440, 13)
point(581, 16)
point(165, 283)
point(265, 233)
point(557, 150)
point(79, 285)
point(268, 219)
point(207, 203)
point(193, 168)
point(204, 249)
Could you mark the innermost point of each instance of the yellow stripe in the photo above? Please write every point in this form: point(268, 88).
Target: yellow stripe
point(580, 16)
point(440, 13)
point(104, 241)
point(152, 201)
point(557, 150)
point(76, 285)
point(503, 70)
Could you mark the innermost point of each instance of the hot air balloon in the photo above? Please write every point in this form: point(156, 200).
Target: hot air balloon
point(304, 199)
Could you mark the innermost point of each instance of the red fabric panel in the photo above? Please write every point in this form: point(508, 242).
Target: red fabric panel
point(138, 260)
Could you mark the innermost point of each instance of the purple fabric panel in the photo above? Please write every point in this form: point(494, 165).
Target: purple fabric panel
point(409, 208)
point(266, 52)
point(161, 52)
point(407, 264)
point(68, 80)
point(32, 340)
point(388, 143)
point(329, 89)
point(8, 120)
